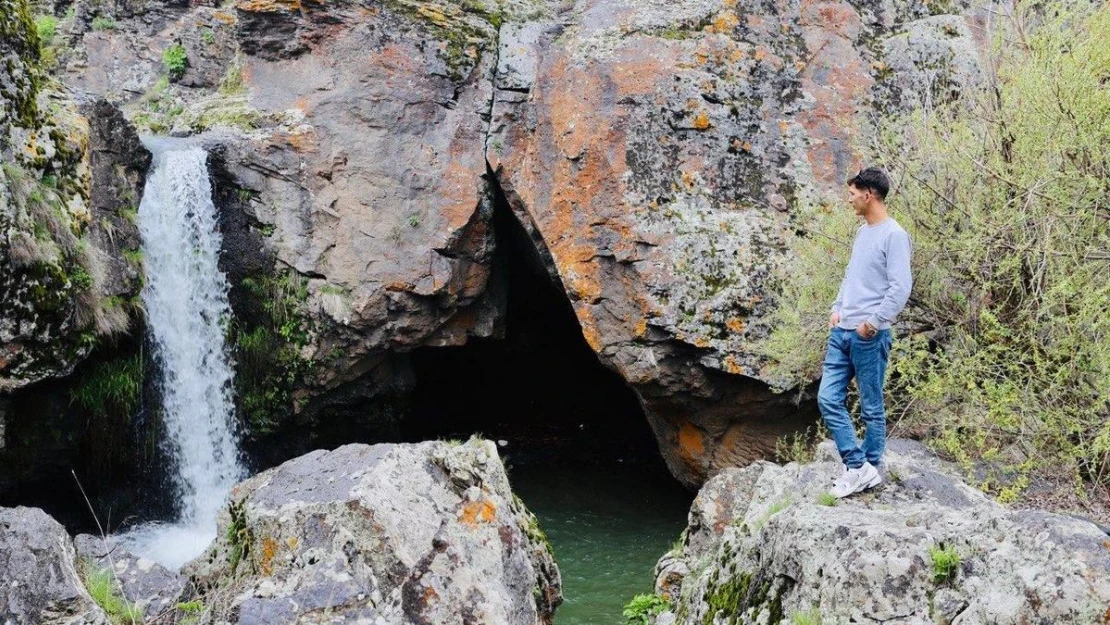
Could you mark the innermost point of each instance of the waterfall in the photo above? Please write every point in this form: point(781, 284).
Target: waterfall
point(187, 309)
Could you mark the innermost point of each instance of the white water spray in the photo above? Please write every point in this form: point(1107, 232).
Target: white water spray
point(186, 308)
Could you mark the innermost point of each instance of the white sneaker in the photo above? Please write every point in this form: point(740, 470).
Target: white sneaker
point(856, 480)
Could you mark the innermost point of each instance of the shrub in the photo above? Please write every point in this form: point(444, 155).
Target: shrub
point(642, 607)
point(175, 61)
point(1004, 195)
point(47, 26)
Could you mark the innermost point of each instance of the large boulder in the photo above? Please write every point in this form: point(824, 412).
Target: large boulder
point(922, 548)
point(419, 533)
point(39, 583)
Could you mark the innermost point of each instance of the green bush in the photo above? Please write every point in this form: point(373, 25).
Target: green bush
point(1006, 358)
point(642, 608)
point(175, 61)
point(47, 26)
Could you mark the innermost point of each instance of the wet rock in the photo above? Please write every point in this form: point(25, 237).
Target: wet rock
point(149, 585)
point(424, 533)
point(761, 548)
point(38, 577)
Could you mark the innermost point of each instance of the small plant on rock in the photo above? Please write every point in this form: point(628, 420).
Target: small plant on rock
point(103, 23)
point(827, 499)
point(175, 61)
point(46, 26)
point(946, 561)
point(104, 590)
point(642, 607)
point(811, 616)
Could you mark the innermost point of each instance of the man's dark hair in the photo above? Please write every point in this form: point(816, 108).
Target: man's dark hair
point(872, 179)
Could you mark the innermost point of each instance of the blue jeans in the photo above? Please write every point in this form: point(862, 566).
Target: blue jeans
point(850, 355)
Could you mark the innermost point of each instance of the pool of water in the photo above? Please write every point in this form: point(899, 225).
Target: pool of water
point(608, 521)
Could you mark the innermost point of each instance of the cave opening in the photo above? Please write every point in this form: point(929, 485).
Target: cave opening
point(540, 386)
point(572, 433)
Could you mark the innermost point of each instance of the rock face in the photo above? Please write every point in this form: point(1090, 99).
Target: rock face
point(424, 533)
point(760, 548)
point(64, 280)
point(659, 155)
point(37, 566)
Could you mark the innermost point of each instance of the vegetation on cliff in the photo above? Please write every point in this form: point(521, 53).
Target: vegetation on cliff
point(1003, 356)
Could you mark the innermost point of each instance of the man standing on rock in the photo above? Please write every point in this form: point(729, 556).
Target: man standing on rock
point(876, 286)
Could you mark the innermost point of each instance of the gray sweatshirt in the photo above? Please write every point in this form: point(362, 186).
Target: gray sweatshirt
point(877, 282)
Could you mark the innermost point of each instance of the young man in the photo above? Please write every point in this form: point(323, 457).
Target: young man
point(876, 286)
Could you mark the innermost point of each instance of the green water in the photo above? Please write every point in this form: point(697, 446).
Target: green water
point(608, 523)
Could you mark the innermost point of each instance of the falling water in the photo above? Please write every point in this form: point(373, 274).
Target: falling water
point(186, 307)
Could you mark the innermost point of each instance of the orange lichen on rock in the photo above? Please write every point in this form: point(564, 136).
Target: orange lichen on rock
point(735, 324)
point(724, 22)
point(266, 559)
point(691, 441)
point(268, 6)
point(474, 512)
point(732, 366)
point(701, 122)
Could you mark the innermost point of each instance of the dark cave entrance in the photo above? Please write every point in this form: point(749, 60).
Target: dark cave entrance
point(574, 438)
point(540, 388)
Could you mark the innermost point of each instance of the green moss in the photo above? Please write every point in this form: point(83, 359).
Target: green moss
point(742, 595)
point(531, 525)
point(463, 40)
point(19, 32)
point(809, 617)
